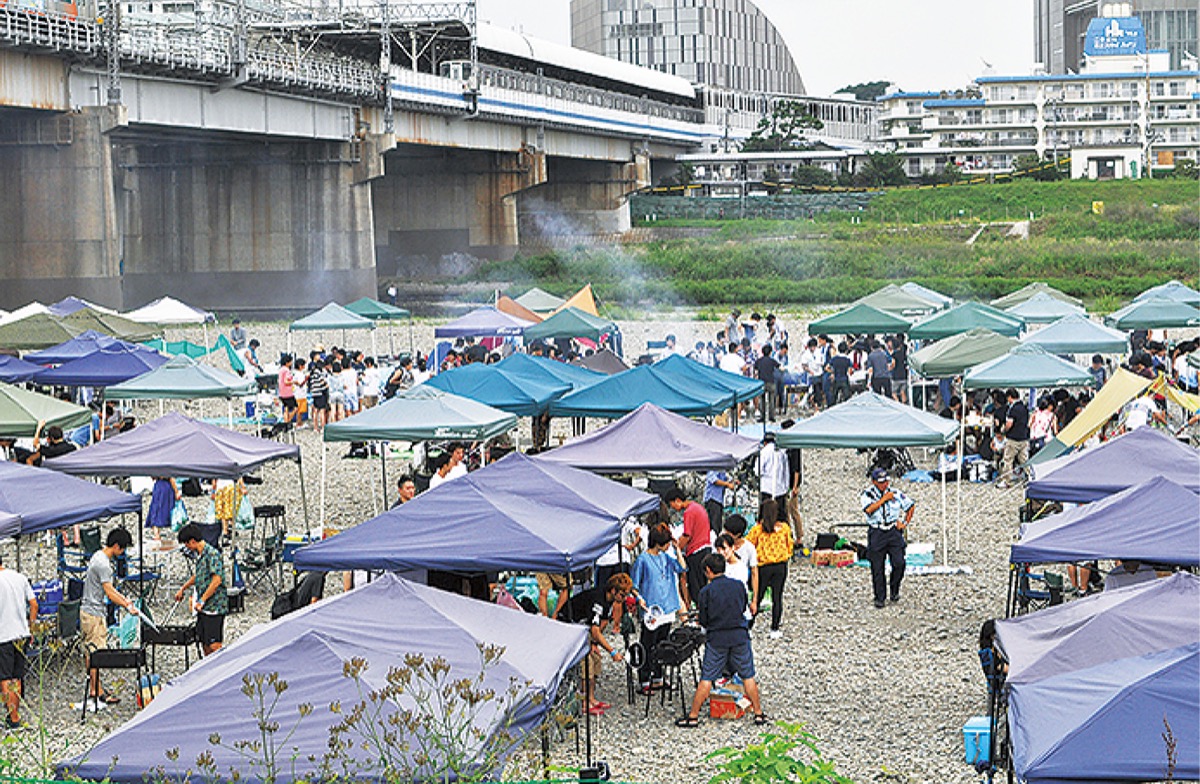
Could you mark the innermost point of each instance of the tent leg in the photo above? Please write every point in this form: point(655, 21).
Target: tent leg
point(324, 450)
point(383, 470)
point(142, 558)
point(17, 545)
point(374, 351)
point(945, 523)
point(303, 493)
point(160, 407)
point(962, 444)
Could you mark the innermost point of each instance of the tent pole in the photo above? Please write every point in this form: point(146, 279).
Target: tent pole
point(303, 493)
point(411, 343)
point(374, 351)
point(229, 411)
point(962, 445)
point(391, 338)
point(945, 523)
point(142, 557)
point(160, 406)
point(383, 471)
point(323, 460)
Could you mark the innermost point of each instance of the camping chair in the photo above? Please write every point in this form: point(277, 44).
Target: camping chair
point(262, 559)
point(68, 627)
point(1036, 591)
point(74, 561)
point(133, 576)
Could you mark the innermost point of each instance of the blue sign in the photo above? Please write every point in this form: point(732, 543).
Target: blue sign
point(1115, 35)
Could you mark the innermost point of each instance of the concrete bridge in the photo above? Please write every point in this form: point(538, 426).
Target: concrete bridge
point(240, 157)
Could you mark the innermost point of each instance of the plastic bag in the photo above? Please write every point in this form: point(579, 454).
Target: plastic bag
point(179, 516)
point(244, 519)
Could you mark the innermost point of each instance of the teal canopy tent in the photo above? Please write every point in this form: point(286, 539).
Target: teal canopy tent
point(1041, 308)
point(540, 302)
point(423, 413)
point(859, 319)
point(377, 311)
point(182, 378)
point(549, 370)
point(570, 323)
point(1173, 290)
point(1027, 292)
point(954, 355)
point(964, 317)
point(742, 387)
point(900, 302)
point(331, 317)
point(1078, 334)
point(868, 421)
point(496, 386)
point(617, 395)
point(924, 292)
point(1154, 314)
point(1026, 366)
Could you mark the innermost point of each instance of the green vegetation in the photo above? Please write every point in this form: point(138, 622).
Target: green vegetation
point(782, 129)
point(867, 91)
point(779, 757)
point(1147, 234)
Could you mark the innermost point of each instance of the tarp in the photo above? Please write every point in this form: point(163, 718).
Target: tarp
point(333, 316)
point(423, 413)
point(548, 370)
point(1154, 314)
point(954, 355)
point(15, 371)
point(899, 302)
point(926, 293)
point(583, 300)
point(21, 410)
point(963, 317)
point(651, 439)
point(1024, 293)
point(518, 513)
point(1078, 334)
point(1171, 290)
point(1041, 308)
point(81, 345)
point(1156, 521)
point(482, 322)
point(570, 323)
point(1103, 672)
point(540, 301)
point(45, 499)
point(377, 311)
point(1116, 465)
point(177, 348)
point(859, 319)
point(868, 421)
point(1025, 366)
point(1122, 387)
point(175, 445)
point(506, 304)
point(742, 387)
point(495, 386)
point(619, 394)
point(381, 623)
point(603, 361)
point(68, 305)
point(168, 310)
point(103, 368)
point(182, 378)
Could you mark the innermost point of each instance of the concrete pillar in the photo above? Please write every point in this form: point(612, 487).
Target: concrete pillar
point(58, 220)
point(581, 198)
point(249, 227)
point(438, 211)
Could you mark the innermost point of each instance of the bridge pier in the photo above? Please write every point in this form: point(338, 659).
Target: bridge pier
point(581, 198)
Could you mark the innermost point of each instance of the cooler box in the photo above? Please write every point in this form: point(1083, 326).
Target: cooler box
point(292, 543)
point(727, 706)
point(977, 740)
point(49, 595)
point(918, 554)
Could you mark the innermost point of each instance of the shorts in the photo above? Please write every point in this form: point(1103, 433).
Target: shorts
point(210, 628)
point(12, 661)
point(595, 659)
point(321, 401)
point(547, 582)
point(350, 403)
point(369, 401)
point(899, 385)
point(95, 631)
point(288, 403)
point(719, 658)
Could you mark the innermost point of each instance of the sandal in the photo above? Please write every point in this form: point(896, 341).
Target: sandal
point(760, 719)
point(688, 721)
point(106, 698)
point(595, 710)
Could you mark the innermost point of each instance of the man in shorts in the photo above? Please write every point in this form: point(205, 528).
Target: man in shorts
point(212, 600)
point(18, 611)
point(93, 617)
point(722, 606)
point(285, 388)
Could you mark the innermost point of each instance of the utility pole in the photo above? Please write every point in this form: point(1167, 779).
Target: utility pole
point(385, 69)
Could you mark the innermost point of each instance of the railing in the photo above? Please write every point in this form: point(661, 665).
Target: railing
point(48, 30)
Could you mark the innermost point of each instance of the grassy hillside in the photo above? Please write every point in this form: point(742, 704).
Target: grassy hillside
point(1147, 234)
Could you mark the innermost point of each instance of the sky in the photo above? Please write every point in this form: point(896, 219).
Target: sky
point(917, 44)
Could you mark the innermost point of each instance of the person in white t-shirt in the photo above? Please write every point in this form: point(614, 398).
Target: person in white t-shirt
point(735, 527)
point(458, 465)
point(441, 470)
point(18, 611)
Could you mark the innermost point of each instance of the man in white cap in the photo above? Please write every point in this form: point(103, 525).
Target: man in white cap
point(888, 513)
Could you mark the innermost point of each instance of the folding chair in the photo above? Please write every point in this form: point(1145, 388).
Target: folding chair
point(74, 561)
point(1036, 591)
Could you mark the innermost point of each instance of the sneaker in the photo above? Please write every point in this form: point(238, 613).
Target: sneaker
point(895, 598)
point(12, 726)
point(878, 604)
point(775, 634)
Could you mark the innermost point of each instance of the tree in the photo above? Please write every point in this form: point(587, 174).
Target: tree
point(881, 169)
point(867, 91)
point(782, 129)
point(812, 175)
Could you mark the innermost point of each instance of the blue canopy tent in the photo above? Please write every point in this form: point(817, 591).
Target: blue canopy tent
point(86, 342)
point(381, 623)
point(1114, 466)
point(10, 525)
point(619, 394)
point(495, 386)
point(103, 368)
point(490, 520)
point(1156, 521)
point(486, 321)
point(742, 387)
point(16, 371)
point(45, 499)
point(545, 369)
point(1104, 672)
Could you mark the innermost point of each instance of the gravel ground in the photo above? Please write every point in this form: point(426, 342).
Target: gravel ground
point(886, 691)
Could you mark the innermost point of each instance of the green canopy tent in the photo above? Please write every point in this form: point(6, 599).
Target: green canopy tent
point(21, 410)
point(954, 355)
point(1078, 334)
point(1026, 366)
point(182, 378)
point(924, 292)
point(871, 421)
point(44, 330)
point(895, 300)
point(540, 302)
point(570, 323)
point(963, 318)
point(1025, 293)
point(1171, 290)
point(422, 413)
point(1154, 314)
point(381, 311)
point(1041, 308)
point(859, 319)
point(332, 317)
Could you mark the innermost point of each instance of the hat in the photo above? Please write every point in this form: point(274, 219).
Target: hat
point(878, 474)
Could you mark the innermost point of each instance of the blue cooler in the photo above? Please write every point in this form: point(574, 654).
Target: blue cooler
point(49, 595)
point(977, 740)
